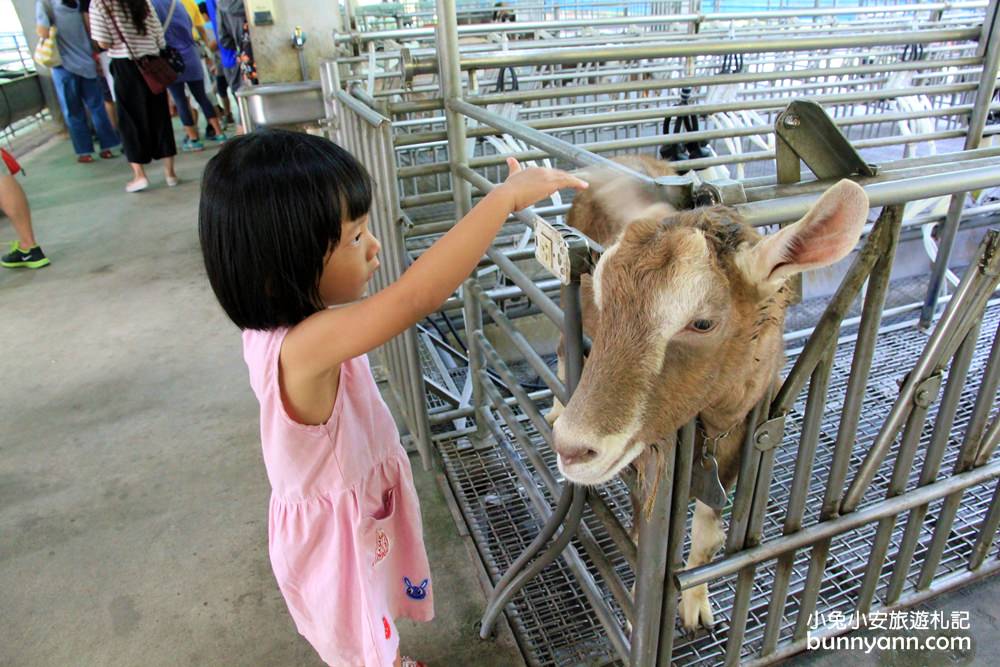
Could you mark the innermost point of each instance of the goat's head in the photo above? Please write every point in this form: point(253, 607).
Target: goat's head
point(687, 316)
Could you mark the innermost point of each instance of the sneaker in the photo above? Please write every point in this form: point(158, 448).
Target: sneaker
point(29, 259)
point(192, 145)
point(209, 132)
point(219, 138)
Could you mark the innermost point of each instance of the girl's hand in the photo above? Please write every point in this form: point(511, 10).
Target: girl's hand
point(524, 187)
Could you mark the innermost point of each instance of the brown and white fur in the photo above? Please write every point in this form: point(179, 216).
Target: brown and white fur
point(686, 313)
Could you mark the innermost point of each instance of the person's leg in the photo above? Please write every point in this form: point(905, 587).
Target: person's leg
point(168, 169)
point(161, 135)
point(94, 99)
point(184, 111)
point(68, 91)
point(222, 86)
point(112, 111)
point(197, 89)
point(25, 251)
point(14, 203)
point(106, 94)
point(129, 96)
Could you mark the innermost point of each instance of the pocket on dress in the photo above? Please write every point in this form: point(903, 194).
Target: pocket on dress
point(388, 506)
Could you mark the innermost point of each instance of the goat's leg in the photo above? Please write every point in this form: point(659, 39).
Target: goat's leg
point(557, 406)
point(707, 536)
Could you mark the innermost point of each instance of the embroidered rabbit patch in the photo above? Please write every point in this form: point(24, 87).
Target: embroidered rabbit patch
point(416, 592)
point(381, 546)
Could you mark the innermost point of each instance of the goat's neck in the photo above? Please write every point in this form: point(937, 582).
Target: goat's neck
point(753, 377)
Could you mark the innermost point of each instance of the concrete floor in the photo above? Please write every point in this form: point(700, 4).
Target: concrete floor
point(132, 495)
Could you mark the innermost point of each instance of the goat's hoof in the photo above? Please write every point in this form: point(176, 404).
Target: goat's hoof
point(696, 611)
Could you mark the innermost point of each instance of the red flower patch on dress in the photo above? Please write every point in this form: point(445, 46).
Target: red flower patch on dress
point(381, 546)
point(388, 628)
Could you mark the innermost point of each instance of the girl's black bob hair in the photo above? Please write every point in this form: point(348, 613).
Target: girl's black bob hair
point(272, 203)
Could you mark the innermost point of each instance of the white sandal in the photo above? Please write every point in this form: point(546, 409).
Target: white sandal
point(137, 186)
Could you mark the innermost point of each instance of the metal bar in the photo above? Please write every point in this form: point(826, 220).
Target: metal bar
point(504, 294)
point(530, 26)
point(932, 461)
point(651, 571)
point(984, 540)
point(758, 507)
point(365, 112)
point(739, 516)
point(573, 559)
point(436, 418)
point(897, 486)
point(506, 411)
point(928, 363)
point(678, 522)
point(712, 80)
point(809, 535)
point(698, 109)
point(966, 459)
point(696, 48)
point(977, 122)
point(474, 322)
point(879, 194)
point(521, 343)
point(616, 531)
point(451, 89)
point(557, 147)
point(880, 241)
point(990, 441)
point(519, 573)
point(941, 586)
point(571, 523)
point(530, 289)
point(808, 440)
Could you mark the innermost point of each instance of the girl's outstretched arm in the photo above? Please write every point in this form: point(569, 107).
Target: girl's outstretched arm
point(322, 341)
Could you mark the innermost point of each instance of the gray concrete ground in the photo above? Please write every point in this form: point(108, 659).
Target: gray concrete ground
point(132, 494)
point(133, 498)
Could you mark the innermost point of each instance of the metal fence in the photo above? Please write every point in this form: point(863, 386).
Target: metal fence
point(850, 485)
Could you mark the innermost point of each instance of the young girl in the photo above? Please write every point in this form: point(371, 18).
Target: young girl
point(284, 232)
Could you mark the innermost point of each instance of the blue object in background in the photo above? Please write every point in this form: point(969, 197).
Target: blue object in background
point(227, 56)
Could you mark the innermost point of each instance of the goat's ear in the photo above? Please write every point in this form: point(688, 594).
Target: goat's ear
point(827, 233)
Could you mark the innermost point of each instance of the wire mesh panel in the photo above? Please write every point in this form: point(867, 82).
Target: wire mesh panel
point(555, 625)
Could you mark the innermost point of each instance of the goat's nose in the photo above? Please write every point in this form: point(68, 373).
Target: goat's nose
point(576, 454)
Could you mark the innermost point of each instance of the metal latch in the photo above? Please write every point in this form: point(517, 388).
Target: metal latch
point(927, 391)
point(804, 131)
point(770, 434)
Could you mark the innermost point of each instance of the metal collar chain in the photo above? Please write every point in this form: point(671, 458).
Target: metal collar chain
point(711, 444)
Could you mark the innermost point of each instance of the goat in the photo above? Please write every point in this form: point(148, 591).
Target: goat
point(686, 313)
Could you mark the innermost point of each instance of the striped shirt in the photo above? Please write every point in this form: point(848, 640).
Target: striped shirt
point(102, 29)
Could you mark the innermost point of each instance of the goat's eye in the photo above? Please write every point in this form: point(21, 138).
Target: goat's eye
point(701, 326)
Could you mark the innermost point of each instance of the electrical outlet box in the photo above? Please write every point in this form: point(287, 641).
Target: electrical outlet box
point(261, 11)
point(551, 251)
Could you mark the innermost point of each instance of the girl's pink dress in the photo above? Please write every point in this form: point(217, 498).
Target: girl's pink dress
point(344, 532)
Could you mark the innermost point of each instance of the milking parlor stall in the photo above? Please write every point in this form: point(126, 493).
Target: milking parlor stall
point(745, 386)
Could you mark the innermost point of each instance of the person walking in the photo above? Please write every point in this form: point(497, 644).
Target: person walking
point(25, 253)
point(177, 29)
point(130, 29)
point(75, 80)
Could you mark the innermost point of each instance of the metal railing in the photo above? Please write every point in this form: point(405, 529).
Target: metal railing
point(788, 542)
